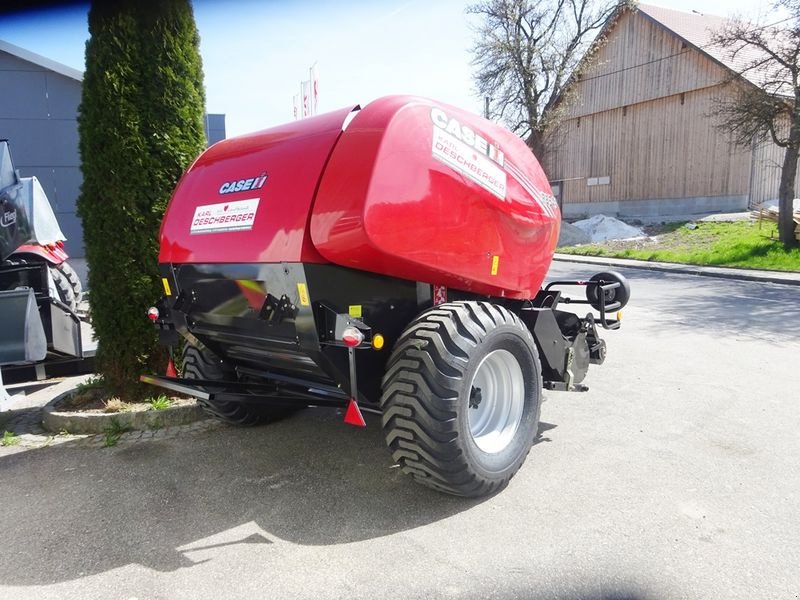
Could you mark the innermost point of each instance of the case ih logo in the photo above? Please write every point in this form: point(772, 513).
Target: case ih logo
point(466, 135)
point(243, 185)
point(459, 147)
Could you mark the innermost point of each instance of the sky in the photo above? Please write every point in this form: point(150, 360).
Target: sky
point(256, 52)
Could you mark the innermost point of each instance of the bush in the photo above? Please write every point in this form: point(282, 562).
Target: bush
point(140, 125)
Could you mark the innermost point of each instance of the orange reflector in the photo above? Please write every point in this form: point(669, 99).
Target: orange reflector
point(171, 371)
point(619, 316)
point(353, 415)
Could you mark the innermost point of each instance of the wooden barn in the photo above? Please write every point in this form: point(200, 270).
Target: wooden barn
point(639, 140)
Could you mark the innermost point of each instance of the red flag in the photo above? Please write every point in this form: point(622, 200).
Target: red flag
point(304, 86)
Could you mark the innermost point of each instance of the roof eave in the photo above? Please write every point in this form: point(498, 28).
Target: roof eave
point(41, 61)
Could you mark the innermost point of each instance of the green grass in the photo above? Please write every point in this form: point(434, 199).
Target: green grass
point(741, 244)
point(113, 432)
point(9, 439)
point(159, 402)
point(93, 383)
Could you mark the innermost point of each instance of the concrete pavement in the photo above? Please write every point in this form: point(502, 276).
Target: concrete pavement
point(675, 476)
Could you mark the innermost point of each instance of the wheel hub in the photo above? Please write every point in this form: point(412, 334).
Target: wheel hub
point(475, 397)
point(496, 401)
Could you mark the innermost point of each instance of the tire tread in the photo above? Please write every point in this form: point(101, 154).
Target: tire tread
point(421, 394)
point(199, 364)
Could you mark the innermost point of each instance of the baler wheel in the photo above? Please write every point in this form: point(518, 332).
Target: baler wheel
point(204, 364)
point(461, 398)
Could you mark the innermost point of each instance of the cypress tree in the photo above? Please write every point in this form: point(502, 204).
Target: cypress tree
point(140, 125)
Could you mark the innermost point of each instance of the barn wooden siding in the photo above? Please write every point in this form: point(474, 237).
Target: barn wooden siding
point(766, 171)
point(647, 151)
point(641, 121)
point(641, 61)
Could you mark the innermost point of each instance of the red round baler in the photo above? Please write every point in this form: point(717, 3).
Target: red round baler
point(388, 258)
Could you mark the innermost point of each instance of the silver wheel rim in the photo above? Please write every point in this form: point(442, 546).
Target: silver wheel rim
point(496, 401)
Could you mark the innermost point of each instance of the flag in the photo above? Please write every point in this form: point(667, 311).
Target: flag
point(294, 106)
point(314, 88)
point(304, 89)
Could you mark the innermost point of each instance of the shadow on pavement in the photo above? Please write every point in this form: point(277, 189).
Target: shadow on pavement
point(69, 512)
point(727, 307)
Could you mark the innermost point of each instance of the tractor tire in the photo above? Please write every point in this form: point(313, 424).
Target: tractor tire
point(63, 287)
point(203, 364)
point(461, 398)
point(74, 281)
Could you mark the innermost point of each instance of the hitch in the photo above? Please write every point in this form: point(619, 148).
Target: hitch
point(606, 292)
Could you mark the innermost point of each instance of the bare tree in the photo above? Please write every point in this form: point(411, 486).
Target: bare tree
point(527, 51)
point(766, 105)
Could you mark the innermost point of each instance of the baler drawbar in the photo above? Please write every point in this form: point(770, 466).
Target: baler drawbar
point(387, 259)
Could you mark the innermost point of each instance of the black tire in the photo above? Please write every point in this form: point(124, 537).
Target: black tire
point(428, 390)
point(74, 281)
point(64, 288)
point(619, 294)
point(197, 364)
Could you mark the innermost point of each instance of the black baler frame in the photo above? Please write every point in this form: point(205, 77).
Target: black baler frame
point(392, 305)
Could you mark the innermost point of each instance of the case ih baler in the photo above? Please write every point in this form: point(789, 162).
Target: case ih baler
point(389, 258)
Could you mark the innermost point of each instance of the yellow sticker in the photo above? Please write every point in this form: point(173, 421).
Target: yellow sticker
point(495, 264)
point(167, 291)
point(302, 291)
point(354, 310)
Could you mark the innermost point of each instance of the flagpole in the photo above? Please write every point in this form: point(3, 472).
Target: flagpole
point(311, 90)
point(312, 84)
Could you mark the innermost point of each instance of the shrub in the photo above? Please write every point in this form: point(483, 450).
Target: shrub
point(140, 125)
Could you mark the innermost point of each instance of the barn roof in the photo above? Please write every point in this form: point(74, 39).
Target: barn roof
point(698, 30)
point(41, 61)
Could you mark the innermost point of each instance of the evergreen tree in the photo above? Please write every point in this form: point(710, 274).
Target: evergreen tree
point(140, 125)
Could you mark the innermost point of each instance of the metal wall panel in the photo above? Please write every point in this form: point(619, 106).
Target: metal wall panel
point(32, 103)
point(38, 114)
point(64, 96)
point(9, 62)
point(42, 142)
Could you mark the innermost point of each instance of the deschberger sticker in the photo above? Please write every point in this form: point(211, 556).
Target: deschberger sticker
point(225, 216)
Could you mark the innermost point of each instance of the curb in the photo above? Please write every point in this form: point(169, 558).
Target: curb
point(94, 423)
point(779, 277)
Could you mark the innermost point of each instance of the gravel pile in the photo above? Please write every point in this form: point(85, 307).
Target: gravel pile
point(600, 228)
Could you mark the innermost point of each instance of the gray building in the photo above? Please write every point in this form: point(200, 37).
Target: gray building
point(215, 128)
point(39, 101)
point(38, 115)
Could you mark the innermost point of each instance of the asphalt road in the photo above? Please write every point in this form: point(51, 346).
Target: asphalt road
point(676, 476)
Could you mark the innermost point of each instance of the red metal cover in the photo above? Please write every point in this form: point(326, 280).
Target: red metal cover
point(425, 191)
point(248, 199)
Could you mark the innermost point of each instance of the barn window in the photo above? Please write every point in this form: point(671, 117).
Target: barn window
point(579, 122)
point(683, 99)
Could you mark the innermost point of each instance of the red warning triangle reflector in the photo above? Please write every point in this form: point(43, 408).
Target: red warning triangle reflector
point(171, 372)
point(353, 415)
